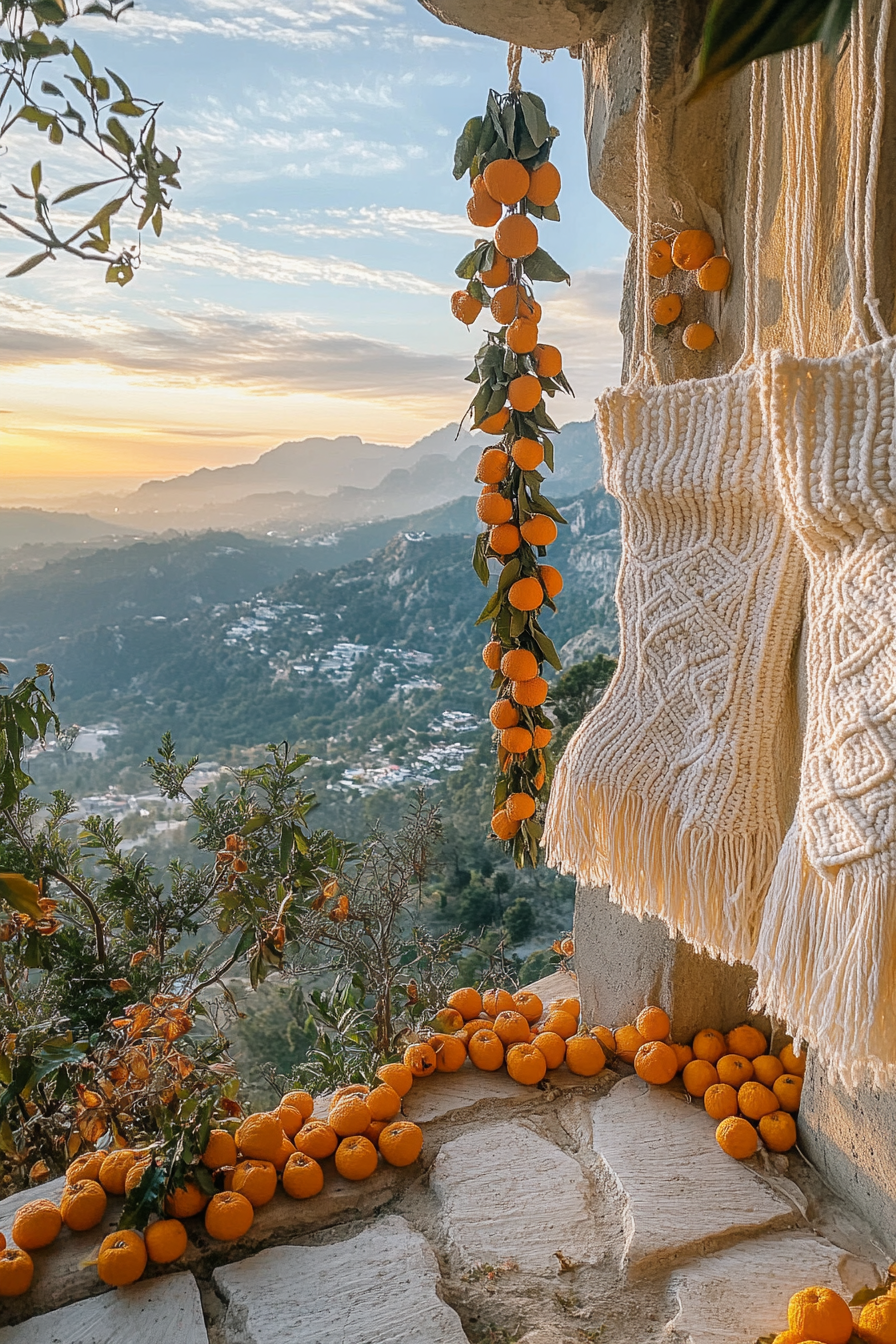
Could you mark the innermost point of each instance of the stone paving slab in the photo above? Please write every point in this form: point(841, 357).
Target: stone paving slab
point(446, 1093)
point(379, 1287)
point(163, 1311)
point(681, 1190)
point(734, 1296)
point(506, 1193)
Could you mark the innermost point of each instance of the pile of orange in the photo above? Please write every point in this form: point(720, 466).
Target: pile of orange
point(821, 1316)
point(750, 1093)
point(693, 252)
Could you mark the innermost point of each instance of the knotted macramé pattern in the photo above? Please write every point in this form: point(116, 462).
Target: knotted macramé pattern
point(678, 788)
point(827, 952)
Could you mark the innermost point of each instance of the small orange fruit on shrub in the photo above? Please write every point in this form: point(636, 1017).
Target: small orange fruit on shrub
point(528, 454)
point(504, 539)
point(504, 714)
point(503, 827)
point(510, 1027)
point(383, 1102)
point(316, 1139)
point(228, 1216)
point(767, 1068)
point(522, 336)
point(220, 1151)
point(552, 1046)
point(709, 1044)
point(792, 1060)
point(511, 303)
point(734, 1069)
point(85, 1168)
point(714, 274)
point(788, 1089)
point(548, 361)
point(659, 259)
point(466, 1001)
point(492, 466)
point(519, 806)
point(451, 1054)
point(495, 1001)
point(135, 1176)
point(877, 1323)
point(529, 1004)
point(497, 274)
point(755, 1101)
point(585, 1056)
point(482, 210)
point(493, 509)
point(542, 736)
point(737, 1137)
point(165, 1241)
point(349, 1115)
point(820, 1313)
point(539, 530)
point(561, 1023)
point(519, 664)
point(530, 693)
point(720, 1101)
point(256, 1180)
point(544, 185)
point(526, 1063)
point(401, 1143)
point(526, 594)
point(83, 1205)
point(684, 1054)
point(486, 1051)
point(36, 1224)
point(524, 393)
point(447, 1020)
point(187, 1200)
point(420, 1059)
point(506, 180)
point(290, 1119)
point(606, 1038)
point(16, 1272)
point(121, 1259)
point(552, 580)
point(698, 336)
point(747, 1041)
point(399, 1076)
point(628, 1041)
point(114, 1170)
point(496, 423)
point(692, 249)
point(302, 1177)
point(356, 1158)
point(664, 310)
point(465, 307)
point(653, 1023)
point(698, 1077)
point(656, 1063)
point(778, 1130)
point(517, 741)
point(516, 236)
point(260, 1136)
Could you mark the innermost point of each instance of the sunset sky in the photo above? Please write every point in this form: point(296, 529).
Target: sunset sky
point(301, 283)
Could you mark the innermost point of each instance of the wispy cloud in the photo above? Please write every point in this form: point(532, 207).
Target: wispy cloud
point(369, 221)
point(315, 27)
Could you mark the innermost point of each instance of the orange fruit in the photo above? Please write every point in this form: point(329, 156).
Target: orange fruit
point(788, 1337)
point(788, 1089)
point(567, 1005)
point(548, 361)
point(585, 1056)
point(516, 236)
point(767, 1068)
point(36, 1224)
point(698, 336)
point(256, 1180)
point(134, 1176)
point(260, 1136)
point(734, 1070)
point(714, 274)
point(820, 1313)
point(356, 1158)
point(485, 1050)
point(720, 1101)
point(349, 1115)
point(541, 736)
point(511, 1027)
point(493, 509)
point(692, 248)
point(519, 806)
point(495, 1001)
point(530, 693)
point(628, 1041)
point(522, 336)
point(497, 274)
point(528, 454)
point(187, 1200)
point(286, 1151)
point(401, 1143)
point(737, 1137)
point(83, 1205)
point(299, 1101)
point(698, 1077)
point(496, 423)
point(316, 1139)
point(877, 1322)
point(709, 1044)
point(470, 1028)
point(451, 1054)
point(220, 1151)
point(503, 827)
point(506, 181)
point(504, 539)
point(513, 302)
point(539, 530)
point(524, 393)
point(552, 1046)
point(291, 1120)
point(656, 1063)
point(544, 185)
point(420, 1059)
point(228, 1216)
point(302, 1177)
point(16, 1272)
point(121, 1259)
point(519, 664)
point(551, 579)
point(606, 1038)
point(465, 307)
point(504, 714)
point(526, 594)
point(561, 1023)
point(482, 210)
point(85, 1168)
point(778, 1130)
point(165, 1241)
point(653, 1023)
point(517, 741)
point(659, 259)
point(491, 655)
point(493, 465)
point(526, 1064)
point(755, 1101)
point(399, 1076)
point(114, 1170)
point(793, 1061)
point(529, 1004)
point(684, 1054)
point(664, 310)
point(383, 1102)
point(747, 1041)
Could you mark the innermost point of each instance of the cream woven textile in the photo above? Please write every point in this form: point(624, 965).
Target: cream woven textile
point(827, 952)
point(677, 789)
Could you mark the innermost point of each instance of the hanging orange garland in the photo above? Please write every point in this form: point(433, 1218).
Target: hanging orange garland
point(507, 155)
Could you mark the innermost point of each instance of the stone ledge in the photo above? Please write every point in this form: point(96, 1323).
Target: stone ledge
point(154, 1312)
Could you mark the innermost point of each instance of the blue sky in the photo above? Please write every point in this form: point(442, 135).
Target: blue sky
point(301, 284)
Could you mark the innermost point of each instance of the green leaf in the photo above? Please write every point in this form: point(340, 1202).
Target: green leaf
point(55, 135)
point(119, 273)
point(144, 1200)
point(490, 609)
point(286, 843)
point(478, 291)
point(869, 1294)
point(547, 648)
point(21, 895)
point(537, 123)
point(71, 192)
point(541, 266)
point(126, 108)
point(36, 175)
point(82, 60)
point(737, 32)
point(480, 564)
point(467, 145)
point(471, 263)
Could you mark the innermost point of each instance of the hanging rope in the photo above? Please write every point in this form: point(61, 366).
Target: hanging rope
point(872, 302)
point(514, 61)
point(754, 209)
point(643, 366)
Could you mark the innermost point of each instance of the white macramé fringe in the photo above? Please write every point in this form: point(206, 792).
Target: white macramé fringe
point(826, 963)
